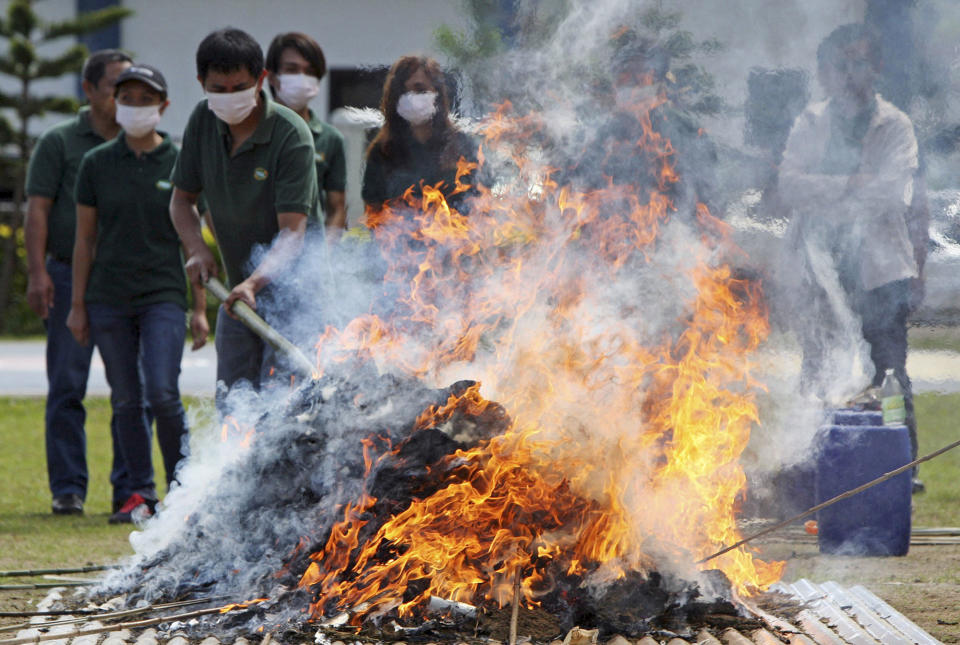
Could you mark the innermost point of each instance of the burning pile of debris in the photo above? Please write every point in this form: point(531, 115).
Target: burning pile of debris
point(411, 442)
point(616, 339)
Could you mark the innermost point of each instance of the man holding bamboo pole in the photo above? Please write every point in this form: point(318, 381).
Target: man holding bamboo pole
point(253, 159)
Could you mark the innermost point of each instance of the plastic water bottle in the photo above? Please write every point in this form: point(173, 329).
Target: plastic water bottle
point(891, 400)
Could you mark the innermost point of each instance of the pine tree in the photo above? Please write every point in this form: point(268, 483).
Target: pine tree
point(24, 31)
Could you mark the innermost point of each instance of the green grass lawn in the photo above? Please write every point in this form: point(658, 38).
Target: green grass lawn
point(938, 338)
point(30, 535)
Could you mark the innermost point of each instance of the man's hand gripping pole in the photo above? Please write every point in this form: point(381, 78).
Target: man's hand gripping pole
point(303, 365)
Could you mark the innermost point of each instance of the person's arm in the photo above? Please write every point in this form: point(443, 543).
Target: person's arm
point(286, 246)
point(39, 284)
point(336, 213)
point(335, 185)
point(44, 173)
point(84, 250)
point(888, 167)
point(199, 325)
point(373, 188)
point(200, 263)
point(799, 182)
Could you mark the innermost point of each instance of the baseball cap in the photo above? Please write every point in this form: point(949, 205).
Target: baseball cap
point(146, 74)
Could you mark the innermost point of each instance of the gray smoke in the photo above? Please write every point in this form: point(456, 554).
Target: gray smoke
point(240, 511)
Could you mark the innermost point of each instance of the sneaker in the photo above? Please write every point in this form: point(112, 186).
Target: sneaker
point(918, 486)
point(71, 504)
point(136, 507)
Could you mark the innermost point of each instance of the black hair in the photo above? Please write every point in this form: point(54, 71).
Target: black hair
point(304, 45)
point(227, 50)
point(843, 36)
point(96, 64)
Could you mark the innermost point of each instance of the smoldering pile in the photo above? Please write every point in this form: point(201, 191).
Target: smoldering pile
point(253, 530)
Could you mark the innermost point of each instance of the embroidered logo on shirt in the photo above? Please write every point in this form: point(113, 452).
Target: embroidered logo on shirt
point(163, 184)
point(321, 157)
point(260, 174)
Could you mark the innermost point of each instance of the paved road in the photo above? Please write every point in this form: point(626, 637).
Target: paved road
point(22, 370)
point(23, 365)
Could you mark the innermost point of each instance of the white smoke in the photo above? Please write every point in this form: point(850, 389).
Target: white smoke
point(226, 522)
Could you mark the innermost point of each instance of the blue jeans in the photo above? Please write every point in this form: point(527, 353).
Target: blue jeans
point(141, 349)
point(68, 366)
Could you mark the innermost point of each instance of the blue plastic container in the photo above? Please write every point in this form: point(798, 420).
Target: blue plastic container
point(876, 521)
point(848, 417)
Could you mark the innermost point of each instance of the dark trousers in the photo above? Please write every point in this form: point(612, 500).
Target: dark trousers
point(68, 366)
point(883, 314)
point(244, 356)
point(141, 349)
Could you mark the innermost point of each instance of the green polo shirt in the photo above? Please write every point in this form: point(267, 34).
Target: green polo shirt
point(137, 260)
point(52, 173)
point(272, 172)
point(331, 160)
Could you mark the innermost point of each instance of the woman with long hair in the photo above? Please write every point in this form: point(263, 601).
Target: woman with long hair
point(418, 144)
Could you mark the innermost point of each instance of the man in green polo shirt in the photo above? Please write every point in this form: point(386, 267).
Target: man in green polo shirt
point(295, 65)
point(254, 162)
point(49, 233)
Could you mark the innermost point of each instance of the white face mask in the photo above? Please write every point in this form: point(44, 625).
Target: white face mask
point(296, 90)
point(138, 121)
point(233, 107)
point(417, 107)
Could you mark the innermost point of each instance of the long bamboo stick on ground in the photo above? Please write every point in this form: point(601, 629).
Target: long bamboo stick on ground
point(87, 614)
point(25, 573)
point(43, 585)
point(832, 501)
point(38, 638)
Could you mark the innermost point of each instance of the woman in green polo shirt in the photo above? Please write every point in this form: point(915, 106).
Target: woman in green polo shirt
point(129, 288)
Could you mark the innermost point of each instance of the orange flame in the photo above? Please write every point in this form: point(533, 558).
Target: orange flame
point(626, 431)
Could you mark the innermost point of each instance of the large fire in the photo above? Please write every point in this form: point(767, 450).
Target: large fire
point(626, 431)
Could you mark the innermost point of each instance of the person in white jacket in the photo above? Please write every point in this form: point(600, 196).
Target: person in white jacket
point(848, 175)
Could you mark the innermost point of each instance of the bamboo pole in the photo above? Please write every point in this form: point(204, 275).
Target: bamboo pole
point(515, 610)
point(38, 638)
point(832, 501)
point(259, 326)
point(25, 573)
point(86, 614)
point(43, 585)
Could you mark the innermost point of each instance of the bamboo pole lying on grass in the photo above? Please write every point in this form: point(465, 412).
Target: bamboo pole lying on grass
point(27, 573)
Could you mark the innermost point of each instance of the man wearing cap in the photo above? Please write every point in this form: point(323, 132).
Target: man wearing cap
point(48, 233)
point(129, 288)
point(254, 161)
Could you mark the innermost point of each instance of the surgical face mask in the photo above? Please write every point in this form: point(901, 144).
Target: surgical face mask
point(296, 90)
point(417, 107)
point(233, 107)
point(138, 121)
